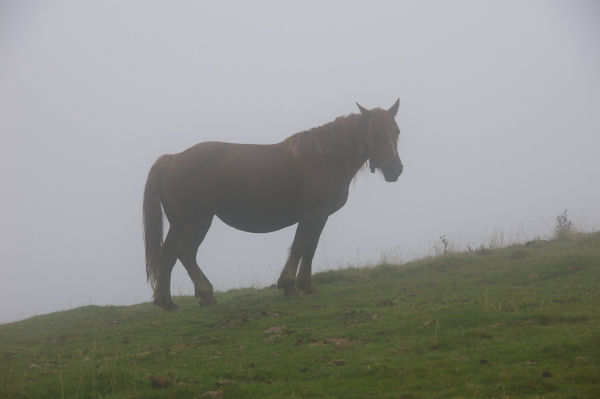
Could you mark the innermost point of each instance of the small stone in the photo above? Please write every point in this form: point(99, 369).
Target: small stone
point(531, 363)
point(159, 381)
point(212, 394)
point(275, 330)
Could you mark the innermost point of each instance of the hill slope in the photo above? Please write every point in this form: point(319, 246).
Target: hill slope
point(522, 321)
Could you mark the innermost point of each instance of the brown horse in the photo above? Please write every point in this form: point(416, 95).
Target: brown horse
point(261, 188)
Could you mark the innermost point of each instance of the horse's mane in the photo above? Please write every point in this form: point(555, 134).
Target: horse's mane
point(329, 140)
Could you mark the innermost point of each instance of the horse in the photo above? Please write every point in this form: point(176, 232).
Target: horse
point(261, 188)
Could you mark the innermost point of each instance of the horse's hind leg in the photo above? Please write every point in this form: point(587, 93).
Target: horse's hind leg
point(192, 237)
point(162, 289)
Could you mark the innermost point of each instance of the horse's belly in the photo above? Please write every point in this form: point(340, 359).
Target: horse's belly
point(259, 196)
point(257, 218)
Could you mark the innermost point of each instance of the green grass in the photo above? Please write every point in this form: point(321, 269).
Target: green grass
point(522, 321)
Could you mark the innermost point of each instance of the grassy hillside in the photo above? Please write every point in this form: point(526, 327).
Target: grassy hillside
point(522, 321)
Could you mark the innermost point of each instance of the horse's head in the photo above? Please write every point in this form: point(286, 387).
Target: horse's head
point(382, 140)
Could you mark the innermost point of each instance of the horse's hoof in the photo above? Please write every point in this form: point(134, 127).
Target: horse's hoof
point(309, 290)
point(207, 301)
point(286, 284)
point(170, 305)
point(305, 285)
point(290, 291)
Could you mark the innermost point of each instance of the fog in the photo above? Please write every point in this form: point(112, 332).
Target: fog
point(499, 113)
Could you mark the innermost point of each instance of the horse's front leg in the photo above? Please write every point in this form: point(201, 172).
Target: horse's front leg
point(304, 278)
point(286, 281)
point(304, 247)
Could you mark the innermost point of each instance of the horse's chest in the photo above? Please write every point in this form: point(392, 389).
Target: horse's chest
point(336, 200)
point(326, 194)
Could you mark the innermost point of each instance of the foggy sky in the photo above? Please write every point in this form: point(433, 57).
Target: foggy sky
point(499, 113)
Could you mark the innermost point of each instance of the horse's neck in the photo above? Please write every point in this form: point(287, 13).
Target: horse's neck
point(353, 148)
point(340, 146)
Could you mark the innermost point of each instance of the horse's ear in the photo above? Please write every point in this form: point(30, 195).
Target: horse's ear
point(363, 110)
point(394, 108)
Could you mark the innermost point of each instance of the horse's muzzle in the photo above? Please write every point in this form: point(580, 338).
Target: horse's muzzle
point(393, 173)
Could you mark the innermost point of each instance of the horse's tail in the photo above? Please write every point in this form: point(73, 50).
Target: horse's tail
point(153, 219)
